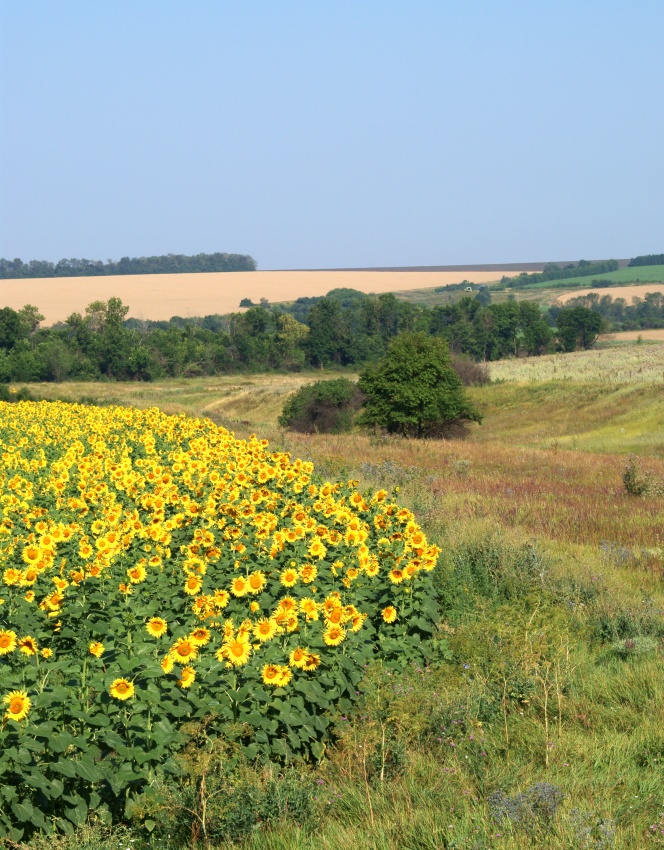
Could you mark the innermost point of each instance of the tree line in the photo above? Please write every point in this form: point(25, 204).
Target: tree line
point(642, 313)
point(648, 260)
point(343, 329)
point(553, 272)
point(164, 264)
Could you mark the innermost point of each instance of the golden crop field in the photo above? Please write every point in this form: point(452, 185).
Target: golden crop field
point(628, 336)
point(626, 292)
point(161, 296)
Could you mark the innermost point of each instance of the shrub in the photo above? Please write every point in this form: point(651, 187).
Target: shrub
point(639, 482)
point(531, 811)
point(325, 407)
point(471, 373)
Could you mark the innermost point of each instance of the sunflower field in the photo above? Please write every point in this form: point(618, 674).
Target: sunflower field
point(157, 570)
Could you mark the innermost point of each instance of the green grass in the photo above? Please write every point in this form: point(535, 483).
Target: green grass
point(637, 274)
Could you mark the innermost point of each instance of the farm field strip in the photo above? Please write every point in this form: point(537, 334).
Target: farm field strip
point(626, 292)
point(161, 296)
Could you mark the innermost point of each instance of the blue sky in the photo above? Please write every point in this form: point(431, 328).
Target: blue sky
point(332, 134)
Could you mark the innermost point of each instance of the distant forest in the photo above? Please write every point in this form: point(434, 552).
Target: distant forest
point(345, 328)
point(166, 264)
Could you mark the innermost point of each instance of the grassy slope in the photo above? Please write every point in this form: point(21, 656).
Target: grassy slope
point(547, 568)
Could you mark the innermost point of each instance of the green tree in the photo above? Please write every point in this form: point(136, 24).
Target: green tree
point(414, 390)
point(578, 327)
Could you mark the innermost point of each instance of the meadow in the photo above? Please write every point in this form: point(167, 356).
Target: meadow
point(536, 719)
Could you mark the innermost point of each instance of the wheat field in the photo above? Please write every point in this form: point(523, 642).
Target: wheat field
point(626, 292)
point(161, 296)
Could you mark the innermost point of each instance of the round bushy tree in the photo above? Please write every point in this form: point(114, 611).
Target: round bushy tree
point(327, 407)
point(414, 390)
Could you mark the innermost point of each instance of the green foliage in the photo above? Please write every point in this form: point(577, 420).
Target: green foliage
point(647, 260)
point(414, 390)
point(640, 482)
point(325, 407)
point(578, 327)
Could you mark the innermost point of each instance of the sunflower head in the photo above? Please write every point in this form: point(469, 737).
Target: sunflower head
point(156, 626)
point(389, 614)
point(96, 648)
point(18, 705)
point(122, 689)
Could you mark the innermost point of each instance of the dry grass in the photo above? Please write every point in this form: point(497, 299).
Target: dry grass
point(161, 296)
point(565, 496)
point(626, 292)
point(619, 364)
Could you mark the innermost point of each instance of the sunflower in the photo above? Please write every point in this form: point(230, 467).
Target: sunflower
point(200, 636)
point(156, 627)
point(273, 674)
point(121, 689)
point(287, 605)
point(239, 586)
point(237, 652)
point(334, 635)
point(289, 577)
point(257, 581)
point(32, 554)
point(335, 617)
point(285, 675)
point(298, 657)
point(309, 609)
point(221, 598)
point(28, 645)
point(125, 588)
point(311, 662)
point(265, 629)
point(7, 641)
point(12, 576)
point(187, 677)
point(96, 648)
point(308, 573)
point(167, 664)
point(389, 614)
point(254, 607)
point(395, 576)
point(18, 705)
point(46, 652)
point(183, 650)
point(192, 585)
